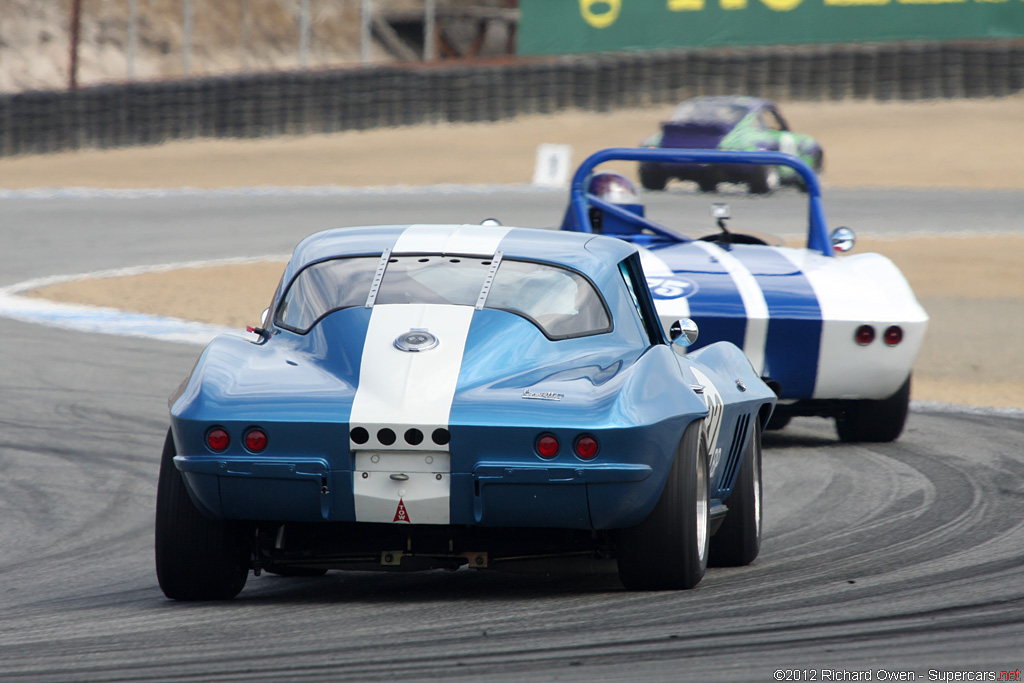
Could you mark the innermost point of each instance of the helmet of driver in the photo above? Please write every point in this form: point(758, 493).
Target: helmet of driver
point(613, 187)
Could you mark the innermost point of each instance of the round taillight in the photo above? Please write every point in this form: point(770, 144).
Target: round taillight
point(441, 436)
point(217, 440)
point(255, 440)
point(413, 437)
point(586, 447)
point(893, 335)
point(864, 335)
point(386, 436)
point(547, 446)
point(359, 435)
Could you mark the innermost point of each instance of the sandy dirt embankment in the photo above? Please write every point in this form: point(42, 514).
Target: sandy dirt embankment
point(973, 288)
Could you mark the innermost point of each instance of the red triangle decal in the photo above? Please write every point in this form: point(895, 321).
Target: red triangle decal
point(401, 515)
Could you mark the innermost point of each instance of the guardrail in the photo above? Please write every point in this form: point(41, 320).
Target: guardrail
point(266, 104)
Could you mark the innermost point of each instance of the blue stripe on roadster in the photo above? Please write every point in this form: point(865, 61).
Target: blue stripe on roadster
point(794, 323)
point(716, 305)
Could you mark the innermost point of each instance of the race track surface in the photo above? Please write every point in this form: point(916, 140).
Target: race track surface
point(882, 558)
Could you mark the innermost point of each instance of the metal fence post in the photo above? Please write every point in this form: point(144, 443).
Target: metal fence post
point(133, 36)
point(76, 27)
point(429, 30)
point(304, 32)
point(186, 39)
point(365, 12)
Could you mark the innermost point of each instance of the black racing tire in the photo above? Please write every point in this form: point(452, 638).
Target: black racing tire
point(738, 540)
point(652, 177)
point(197, 558)
point(707, 185)
point(779, 420)
point(764, 180)
point(874, 421)
point(669, 549)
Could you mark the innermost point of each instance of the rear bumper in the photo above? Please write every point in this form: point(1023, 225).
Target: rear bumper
point(586, 496)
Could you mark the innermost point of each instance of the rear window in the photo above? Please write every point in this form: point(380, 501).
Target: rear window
point(561, 302)
point(709, 112)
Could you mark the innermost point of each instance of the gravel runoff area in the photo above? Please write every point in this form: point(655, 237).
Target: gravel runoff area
point(973, 144)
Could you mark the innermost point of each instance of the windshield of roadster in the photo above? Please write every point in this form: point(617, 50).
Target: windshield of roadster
point(561, 302)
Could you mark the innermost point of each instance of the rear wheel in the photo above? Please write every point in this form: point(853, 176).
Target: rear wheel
point(738, 541)
point(764, 180)
point(652, 177)
point(197, 558)
point(874, 421)
point(669, 549)
point(708, 185)
point(779, 419)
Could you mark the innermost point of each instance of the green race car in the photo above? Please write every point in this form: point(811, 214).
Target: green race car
point(729, 123)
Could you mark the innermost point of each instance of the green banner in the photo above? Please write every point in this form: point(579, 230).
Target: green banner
point(565, 26)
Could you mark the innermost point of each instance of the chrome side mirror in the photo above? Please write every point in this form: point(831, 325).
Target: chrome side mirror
point(683, 332)
point(263, 316)
point(843, 240)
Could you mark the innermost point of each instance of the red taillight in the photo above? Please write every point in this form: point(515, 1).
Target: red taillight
point(586, 447)
point(893, 335)
point(217, 440)
point(255, 440)
point(547, 446)
point(864, 335)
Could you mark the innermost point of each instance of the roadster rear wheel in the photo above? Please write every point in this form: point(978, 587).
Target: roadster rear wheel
point(764, 180)
point(874, 421)
point(652, 177)
point(738, 541)
point(669, 549)
point(197, 558)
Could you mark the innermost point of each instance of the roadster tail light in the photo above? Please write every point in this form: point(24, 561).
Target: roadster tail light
point(255, 440)
point(547, 446)
point(893, 335)
point(217, 440)
point(586, 447)
point(864, 335)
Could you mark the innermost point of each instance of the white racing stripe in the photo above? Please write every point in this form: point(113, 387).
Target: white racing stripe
point(405, 482)
point(410, 389)
point(756, 337)
point(467, 240)
point(399, 391)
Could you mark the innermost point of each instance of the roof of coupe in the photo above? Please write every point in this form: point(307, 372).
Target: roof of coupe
point(584, 253)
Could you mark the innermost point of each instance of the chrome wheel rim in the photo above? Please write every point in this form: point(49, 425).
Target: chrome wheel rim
point(756, 453)
point(702, 508)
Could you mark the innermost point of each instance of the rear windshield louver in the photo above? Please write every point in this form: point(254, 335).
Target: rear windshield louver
point(738, 441)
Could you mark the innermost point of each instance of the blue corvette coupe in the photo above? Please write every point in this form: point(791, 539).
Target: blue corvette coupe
point(834, 334)
point(434, 396)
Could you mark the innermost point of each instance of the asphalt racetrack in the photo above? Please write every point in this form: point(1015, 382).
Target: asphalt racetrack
point(890, 558)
